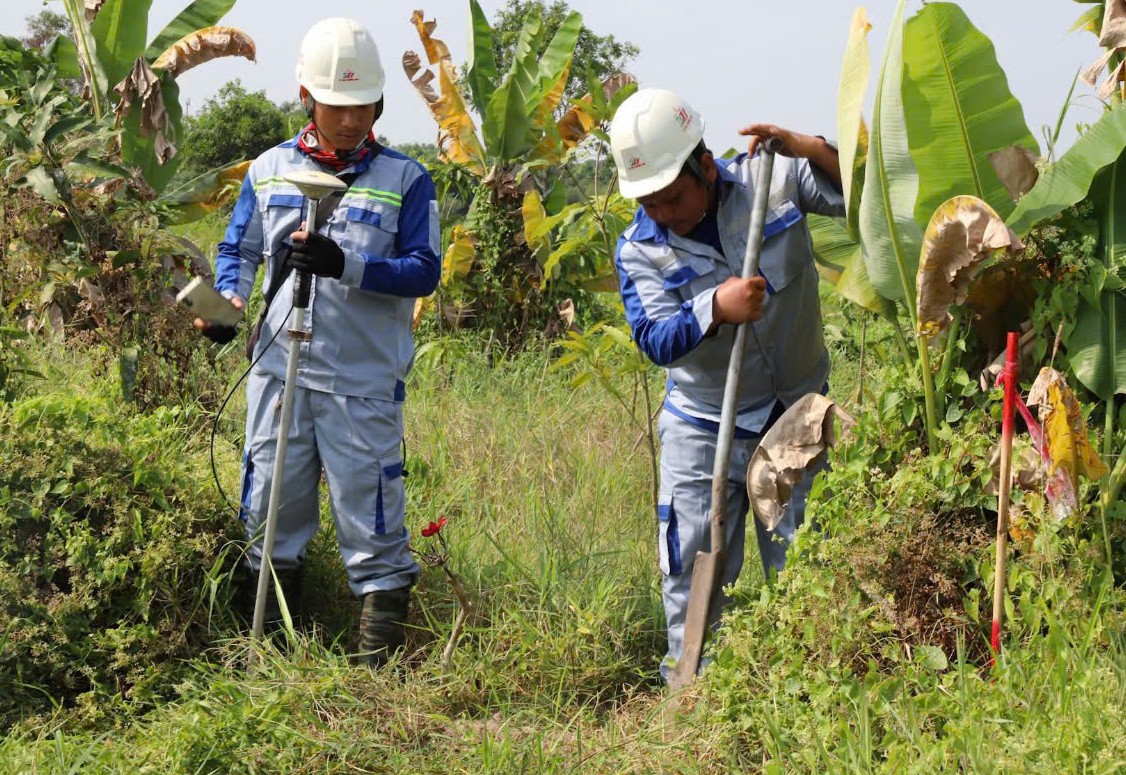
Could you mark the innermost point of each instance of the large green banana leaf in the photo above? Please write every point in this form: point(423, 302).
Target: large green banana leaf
point(121, 29)
point(958, 108)
point(835, 248)
point(889, 233)
point(1097, 345)
point(506, 126)
point(200, 14)
point(850, 121)
point(64, 53)
point(1069, 179)
point(512, 124)
point(481, 71)
point(555, 64)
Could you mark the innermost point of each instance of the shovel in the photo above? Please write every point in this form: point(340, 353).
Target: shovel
point(315, 186)
point(708, 566)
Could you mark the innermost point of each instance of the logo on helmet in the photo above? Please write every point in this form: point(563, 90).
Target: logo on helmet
point(348, 75)
point(683, 118)
point(635, 163)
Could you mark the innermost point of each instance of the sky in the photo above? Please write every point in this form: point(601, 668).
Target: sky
point(736, 61)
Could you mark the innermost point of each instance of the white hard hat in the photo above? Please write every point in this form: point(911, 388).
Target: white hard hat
point(339, 63)
point(651, 136)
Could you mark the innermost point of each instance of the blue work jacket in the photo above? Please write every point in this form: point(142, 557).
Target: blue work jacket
point(668, 283)
point(360, 325)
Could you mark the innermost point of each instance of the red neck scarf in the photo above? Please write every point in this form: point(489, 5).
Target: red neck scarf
point(338, 160)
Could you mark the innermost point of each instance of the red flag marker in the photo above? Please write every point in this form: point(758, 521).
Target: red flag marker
point(1007, 414)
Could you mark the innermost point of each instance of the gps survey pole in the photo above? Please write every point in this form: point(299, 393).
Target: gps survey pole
point(315, 186)
point(708, 567)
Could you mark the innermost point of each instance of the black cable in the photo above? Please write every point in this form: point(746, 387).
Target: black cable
point(223, 406)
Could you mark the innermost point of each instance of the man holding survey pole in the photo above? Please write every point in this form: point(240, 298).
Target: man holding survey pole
point(374, 250)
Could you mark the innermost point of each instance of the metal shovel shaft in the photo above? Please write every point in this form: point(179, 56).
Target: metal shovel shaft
point(708, 566)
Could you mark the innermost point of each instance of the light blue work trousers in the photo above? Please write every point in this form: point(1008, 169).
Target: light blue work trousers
point(357, 441)
point(684, 519)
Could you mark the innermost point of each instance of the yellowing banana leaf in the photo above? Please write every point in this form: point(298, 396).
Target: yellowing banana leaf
point(203, 45)
point(545, 111)
point(1089, 20)
point(840, 256)
point(197, 16)
point(459, 256)
point(458, 140)
point(555, 66)
point(421, 307)
point(851, 132)
point(436, 50)
point(534, 218)
point(1065, 429)
point(958, 108)
point(889, 233)
point(963, 232)
point(583, 115)
point(794, 445)
point(204, 194)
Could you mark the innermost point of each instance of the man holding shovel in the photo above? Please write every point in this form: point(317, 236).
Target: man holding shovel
point(680, 264)
point(373, 251)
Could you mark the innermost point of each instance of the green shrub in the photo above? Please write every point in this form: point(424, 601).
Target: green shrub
point(109, 536)
point(871, 651)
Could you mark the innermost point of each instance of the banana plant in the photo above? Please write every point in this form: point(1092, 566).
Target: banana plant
point(137, 79)
point(519, 149)
point(582, 236)
point(1094, 168)
point(54, 144)
point(840, 259)
point(942, 106)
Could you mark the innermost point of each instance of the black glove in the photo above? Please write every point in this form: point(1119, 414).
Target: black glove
point(220, 334)
point(318, 255)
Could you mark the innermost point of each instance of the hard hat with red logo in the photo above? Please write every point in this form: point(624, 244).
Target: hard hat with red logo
point(339, 63)
point(651, 136)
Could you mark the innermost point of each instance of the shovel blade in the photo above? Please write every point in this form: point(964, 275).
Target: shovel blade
point(705, 574)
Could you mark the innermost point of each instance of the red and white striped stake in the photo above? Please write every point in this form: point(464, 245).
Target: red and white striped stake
point(1008, 411)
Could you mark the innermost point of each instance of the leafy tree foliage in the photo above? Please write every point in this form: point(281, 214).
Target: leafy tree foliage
point(601, 55)
point(426, 153)
point(44, 27)
point(233, 125)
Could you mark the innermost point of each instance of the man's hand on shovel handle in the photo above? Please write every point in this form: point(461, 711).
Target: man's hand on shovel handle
point(738, 300)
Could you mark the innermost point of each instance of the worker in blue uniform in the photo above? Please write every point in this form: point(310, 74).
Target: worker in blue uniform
point(371, 256)
point(679, 265)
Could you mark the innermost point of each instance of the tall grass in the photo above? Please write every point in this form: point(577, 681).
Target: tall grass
point(546, 492)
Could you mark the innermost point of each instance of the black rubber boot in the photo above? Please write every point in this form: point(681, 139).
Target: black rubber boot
point(246, 591)
point(383, 616)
